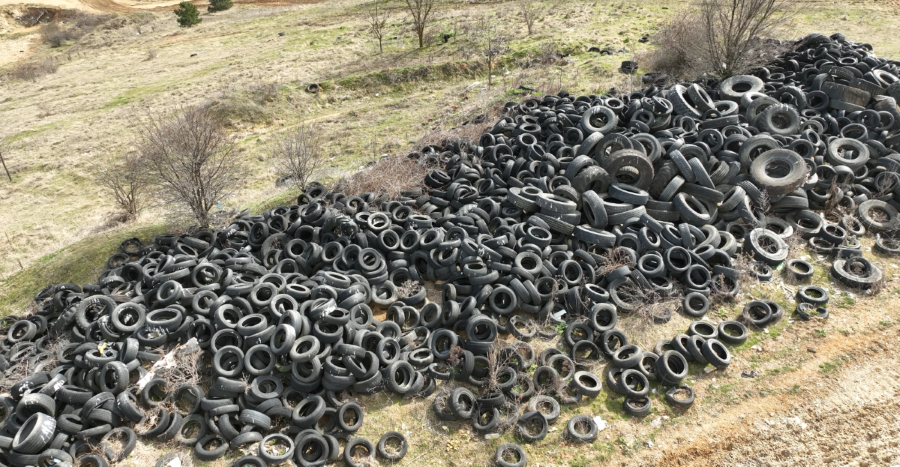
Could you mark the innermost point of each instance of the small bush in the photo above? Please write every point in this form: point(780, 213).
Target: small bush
point(31, 71)
point(219, 5)
point(56, 36)
point(187, 14)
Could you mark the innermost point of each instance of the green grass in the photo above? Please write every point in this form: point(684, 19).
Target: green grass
point(79, 263)
point(831, 366)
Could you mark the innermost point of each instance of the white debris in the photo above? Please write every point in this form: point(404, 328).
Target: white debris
point(601, 423)
point(492, 436)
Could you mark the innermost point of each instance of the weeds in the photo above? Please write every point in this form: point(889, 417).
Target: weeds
point(31, 71)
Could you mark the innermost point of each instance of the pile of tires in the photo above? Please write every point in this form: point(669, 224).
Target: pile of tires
point(566, 215)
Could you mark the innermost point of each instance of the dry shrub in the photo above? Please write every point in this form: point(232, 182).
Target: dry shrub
point(722, 37)
point(28, 365)
point(390, 175)
point(55, 35)
point(31, 71)
point(298, 154)
point(408, 289)
point(650, 310)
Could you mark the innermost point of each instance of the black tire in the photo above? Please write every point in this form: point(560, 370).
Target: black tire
point(462, 403)
point(716, 353)
point(634, 383)
point(127, 447)
point(627, 356)
point(813, 294)
point(733, 332)
point(35, 434)
point(744, 84)
point(210, 448)
point(671, 367)
point(778, 171)
point(682, 403)
point(276, 458)
point(187, 439)
point(513, 449)
point(395, 454)
point(582, 428)
point(349, 456)
point(781, 119)
point(798, 269)
point(892, 221)
point(528, 435)
point(586, 383)
point(638, 406)
point(695, 304)
point(847, 152)
point(543, 403)
point(354, 409)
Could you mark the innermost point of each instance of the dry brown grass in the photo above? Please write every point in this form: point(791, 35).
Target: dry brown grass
point(31, 71)
point(390, 175)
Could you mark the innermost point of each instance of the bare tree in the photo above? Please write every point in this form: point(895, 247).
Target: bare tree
point(378, 18)
point(724, 37)
point(298, 154)
point(492, 42)
point(4, 149)
point(193, 160)
point(420, 10)
point(733, 28)
point(128, 183)
point(531, 11)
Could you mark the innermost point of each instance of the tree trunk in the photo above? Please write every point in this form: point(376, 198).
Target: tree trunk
point(380, 50)
point(3, 161)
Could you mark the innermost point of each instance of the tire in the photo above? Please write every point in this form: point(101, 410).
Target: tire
point(798, 269)
point(529, 436)
point(627, 356)
point(587, 383)
point(462, 403)
point(210, 454)
point(890, 218)
point(637, 407)
point(846, 94)
point(35, 434)
point(695, 305)
point(634, 383)
point(792, 171)
point(127, 447)
point(357, 411)
point(541, 403)
point(684, 403)
point(767, 246)
point(188, 421)
point(716, 353)
point(609, 120)
point(735, 87)
point(274, 459)
point(838, 149)
point(382, 446)
point(757, 313)
point(582, 421)
point(513, 449)
point(672, 367)
point(349, 460)
point(781, 119)
point(733, 332)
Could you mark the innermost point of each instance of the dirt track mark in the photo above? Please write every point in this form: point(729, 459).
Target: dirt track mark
point(848, 417)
